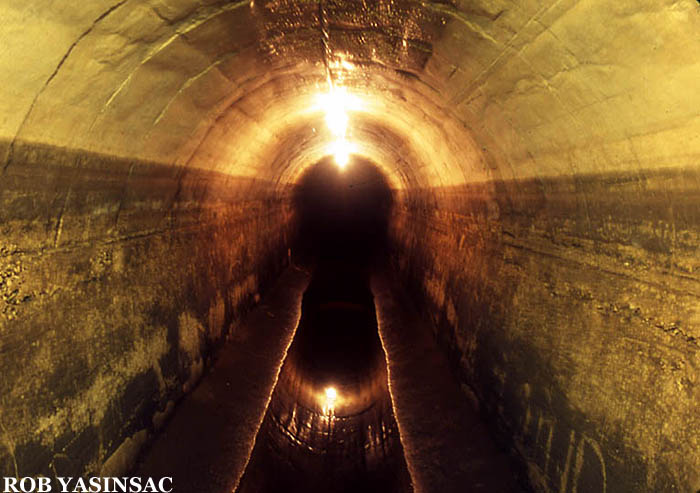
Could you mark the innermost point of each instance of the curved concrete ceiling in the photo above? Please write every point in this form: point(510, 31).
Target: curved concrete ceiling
point(552, 121)
point(470, 91)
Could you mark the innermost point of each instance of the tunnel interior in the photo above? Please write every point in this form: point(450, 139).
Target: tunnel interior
point(342, 215)
point(494, 203)
point(330, 425)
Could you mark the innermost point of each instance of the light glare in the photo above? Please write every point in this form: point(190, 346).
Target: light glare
point(331, 398)
point(341, 150)
point(336, 103)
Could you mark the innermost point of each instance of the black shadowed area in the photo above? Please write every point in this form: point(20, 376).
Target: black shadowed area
point(342, 215)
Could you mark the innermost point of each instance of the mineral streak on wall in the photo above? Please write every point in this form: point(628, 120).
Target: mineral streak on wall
point(544, 155)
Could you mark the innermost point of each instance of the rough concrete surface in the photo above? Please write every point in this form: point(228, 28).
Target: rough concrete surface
point(447, 447)
point(544, 158)
point(575, 323)
point(206, 446)
point(110, 310)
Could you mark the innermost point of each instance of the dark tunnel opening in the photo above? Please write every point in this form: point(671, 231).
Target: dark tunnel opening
point(342, 215)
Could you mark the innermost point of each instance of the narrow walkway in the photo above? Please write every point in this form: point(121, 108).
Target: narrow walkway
point(206, 445)
point(446, 445)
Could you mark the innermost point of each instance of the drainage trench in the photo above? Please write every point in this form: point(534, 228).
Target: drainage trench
point(330, 425)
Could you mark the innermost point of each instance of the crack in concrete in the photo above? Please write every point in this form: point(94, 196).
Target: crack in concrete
point(188, 83)
point(461, 16)
point(476, 84)
point(228, 107)
point(190, 23)
point(59, 222)
point(10, 151)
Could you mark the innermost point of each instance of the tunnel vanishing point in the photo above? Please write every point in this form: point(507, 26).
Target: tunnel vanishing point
point(234, 207)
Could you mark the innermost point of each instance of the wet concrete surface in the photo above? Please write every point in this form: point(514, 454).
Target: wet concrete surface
point(397, 422)
point(447, 446)
point(206, 445)
point(350, 443)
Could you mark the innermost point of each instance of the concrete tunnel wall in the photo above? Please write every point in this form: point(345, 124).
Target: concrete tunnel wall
point(544, 155)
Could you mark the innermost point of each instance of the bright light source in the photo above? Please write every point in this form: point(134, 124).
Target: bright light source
point(336, 103)
point(331, 394)
point(340, 63)
point(331, 398)
point(341, 150)
point(337, 119)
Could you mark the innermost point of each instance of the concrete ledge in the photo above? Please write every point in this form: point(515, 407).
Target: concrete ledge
point(206, 445)
point(447, 447)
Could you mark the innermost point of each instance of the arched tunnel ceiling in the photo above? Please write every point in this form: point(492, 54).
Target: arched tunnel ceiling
point(582, 288)
point(456, 92)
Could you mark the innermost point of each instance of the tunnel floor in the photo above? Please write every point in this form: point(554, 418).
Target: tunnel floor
point(261, 419)
point(349, 442)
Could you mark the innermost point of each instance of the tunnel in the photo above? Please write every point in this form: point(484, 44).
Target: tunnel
point(378, 245)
